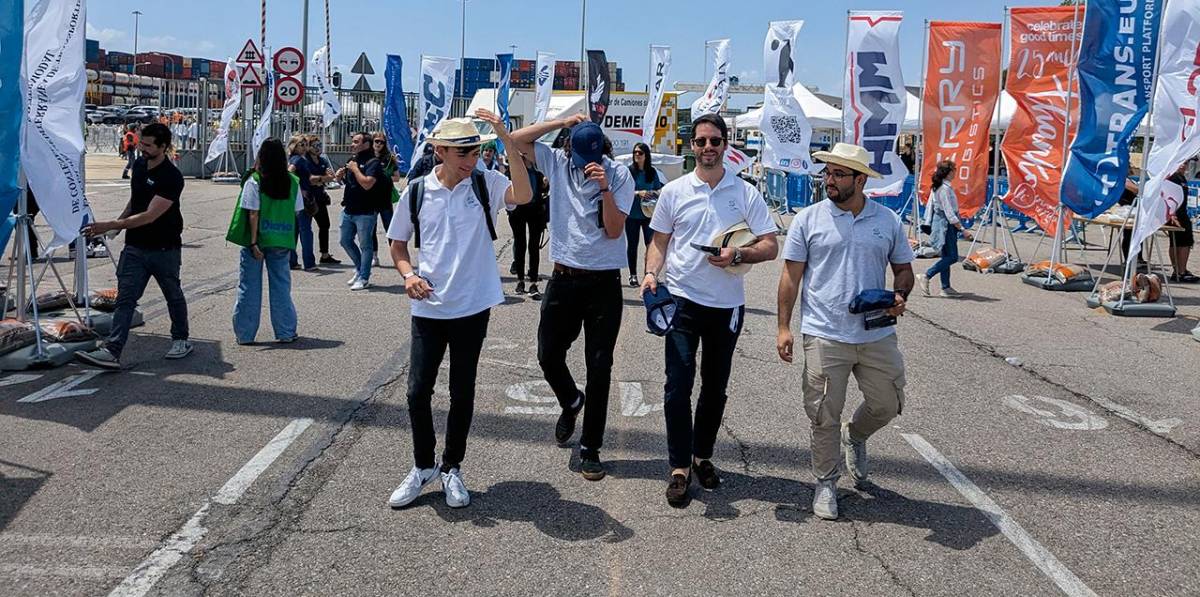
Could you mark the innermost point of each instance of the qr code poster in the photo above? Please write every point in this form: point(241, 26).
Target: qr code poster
point(786, 132)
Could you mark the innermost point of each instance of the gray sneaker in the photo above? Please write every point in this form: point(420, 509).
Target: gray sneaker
point(923, 281)
point(100, 357)
point(825, 500)
point(855, 454)
point(949, 292)
point(179, 349)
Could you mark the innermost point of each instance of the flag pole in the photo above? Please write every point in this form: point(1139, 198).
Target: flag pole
point(1056, 245)
point(846, 75)
point(916, 194)
point(1005, 27)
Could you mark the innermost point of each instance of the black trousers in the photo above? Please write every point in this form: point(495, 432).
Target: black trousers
point(527, 232)
point(718, 330)
point(430, 338)
point(591, 303)
point(322, 220)
point(631, 241)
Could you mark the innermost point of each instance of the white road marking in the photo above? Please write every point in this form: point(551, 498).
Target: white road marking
point(1040, 556)
point(78, 572)
point(1062, 414)
point(17, 378)
point(524, 392)
point(1160, 427)
point(63, 389)
point(633, 402)
point(155, 566)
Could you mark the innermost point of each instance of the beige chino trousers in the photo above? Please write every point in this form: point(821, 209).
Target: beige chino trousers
point(878, 367)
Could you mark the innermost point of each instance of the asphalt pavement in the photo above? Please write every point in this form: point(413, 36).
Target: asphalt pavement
point(1044, 448)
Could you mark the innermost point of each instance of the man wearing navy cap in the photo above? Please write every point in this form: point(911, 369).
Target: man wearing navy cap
point(590, 195)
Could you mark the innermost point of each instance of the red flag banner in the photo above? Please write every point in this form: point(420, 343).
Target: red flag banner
point(1042, 40)
point(962, 86)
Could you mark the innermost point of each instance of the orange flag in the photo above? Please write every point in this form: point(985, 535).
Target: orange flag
point(962, 86)
point(1038, 79)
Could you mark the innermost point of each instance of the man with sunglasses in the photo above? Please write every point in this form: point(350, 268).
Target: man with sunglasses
point(359, 207)
point(590, 196)
point(710, 296)
point(837, 249)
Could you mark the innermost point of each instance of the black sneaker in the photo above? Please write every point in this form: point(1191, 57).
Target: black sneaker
point(100, 357)
point(590, 466)
point(520, 287)
point(1188, 278)
point(565, 427)
point(706, 474)
point(512, 269)
point(534, 293)
point(677, 490)
point(329, 259)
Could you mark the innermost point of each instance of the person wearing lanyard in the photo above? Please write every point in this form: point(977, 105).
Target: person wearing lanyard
point(590, 197)
point(646, 184)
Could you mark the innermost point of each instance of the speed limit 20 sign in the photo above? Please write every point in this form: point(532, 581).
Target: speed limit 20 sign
point(288, 91)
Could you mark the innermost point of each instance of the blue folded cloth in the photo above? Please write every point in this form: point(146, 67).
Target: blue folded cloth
point(875, 299)
point(660, 311)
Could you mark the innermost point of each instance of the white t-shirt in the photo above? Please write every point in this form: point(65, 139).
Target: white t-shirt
point(456, 255)
point(250, 193)
point(693, 212)
point(576, 235)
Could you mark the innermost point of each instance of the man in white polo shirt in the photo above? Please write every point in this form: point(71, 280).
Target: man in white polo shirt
point(710, 296)
point(839, 248)
point(590, 195)
point(450, 215)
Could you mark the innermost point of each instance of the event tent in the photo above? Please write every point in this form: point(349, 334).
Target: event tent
point(820, 114)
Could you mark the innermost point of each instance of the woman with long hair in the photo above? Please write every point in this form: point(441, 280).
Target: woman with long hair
point(321, 172)
point(646, 183)
point(271, 200)
point(945, 229)
point(386, 201)
point(298, 164)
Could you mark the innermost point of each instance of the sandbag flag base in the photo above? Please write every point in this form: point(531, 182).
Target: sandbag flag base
point(992, 219)
point(227, 170)
point(1124, 306)
point(1046, 280)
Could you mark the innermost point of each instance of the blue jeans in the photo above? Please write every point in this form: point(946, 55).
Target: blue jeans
point(362, 229)
point(305, 233)
point(134, 271)
point(949, 257)
point(248, 308)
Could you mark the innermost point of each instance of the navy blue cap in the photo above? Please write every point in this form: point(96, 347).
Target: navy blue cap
point(660, 311)
point(587, 144)
point(873, 299)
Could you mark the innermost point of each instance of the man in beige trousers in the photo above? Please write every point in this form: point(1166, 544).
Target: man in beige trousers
point(837, 249)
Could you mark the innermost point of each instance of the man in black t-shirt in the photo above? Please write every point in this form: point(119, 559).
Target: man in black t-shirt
point(152, 248)
point(359, 206)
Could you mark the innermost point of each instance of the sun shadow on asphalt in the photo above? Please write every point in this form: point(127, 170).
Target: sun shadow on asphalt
point(15, 492)
point(956, 527)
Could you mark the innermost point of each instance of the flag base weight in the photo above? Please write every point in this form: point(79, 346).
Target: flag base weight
point(1081, 285)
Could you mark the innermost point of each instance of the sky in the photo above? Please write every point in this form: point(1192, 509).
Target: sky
point(623, 28)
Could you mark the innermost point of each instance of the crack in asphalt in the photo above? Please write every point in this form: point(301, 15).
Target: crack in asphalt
point(743, 449)
point(860, 548)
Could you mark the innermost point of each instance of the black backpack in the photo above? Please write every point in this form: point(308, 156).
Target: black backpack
point(416, 197)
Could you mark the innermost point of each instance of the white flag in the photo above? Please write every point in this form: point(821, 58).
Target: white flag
point(233, 96)
point(545, 85)
point(786, 132)
point(263, 129)
point(437, 90)
point(333, 107)
point(52, 84)
point(714, 97)
point(736, 161)
point(875, 99)
point(660, 57)
point(1176, 130)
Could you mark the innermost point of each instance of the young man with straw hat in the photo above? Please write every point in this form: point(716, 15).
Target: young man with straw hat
point(590, 195)
point(838, 249)
point(450, 216)
point(709, 226)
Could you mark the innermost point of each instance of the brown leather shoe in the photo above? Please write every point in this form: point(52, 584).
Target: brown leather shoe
point(677, 490)
point(706, 474)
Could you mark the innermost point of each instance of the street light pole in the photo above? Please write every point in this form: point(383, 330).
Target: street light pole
point(462, 52)
point(136, 15)
point(583, 62)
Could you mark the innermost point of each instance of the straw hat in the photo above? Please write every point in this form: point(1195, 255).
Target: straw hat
point(458, 132)
point(739, 235)
point(851, 156)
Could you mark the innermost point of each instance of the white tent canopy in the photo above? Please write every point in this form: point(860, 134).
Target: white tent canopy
point(820, 114)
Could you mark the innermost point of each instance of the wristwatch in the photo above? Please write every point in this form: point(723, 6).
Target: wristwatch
point(409, 275)
point(737, 257)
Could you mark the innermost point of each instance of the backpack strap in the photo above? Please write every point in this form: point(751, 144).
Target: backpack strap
point(416, 196)
point(479, 185)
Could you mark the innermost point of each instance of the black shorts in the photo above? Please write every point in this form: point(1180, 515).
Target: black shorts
point(1184, 238)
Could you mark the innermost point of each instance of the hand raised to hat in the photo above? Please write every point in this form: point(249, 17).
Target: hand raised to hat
point(497, 125)
point(596, 172)
point(574, 119)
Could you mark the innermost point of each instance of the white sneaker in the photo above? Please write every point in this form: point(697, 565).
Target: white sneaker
point(410, 488)
point(360, 284)
point(179, 349)
point(456, 491)
point(352, 281)
point(825, 500)
point(924, 282)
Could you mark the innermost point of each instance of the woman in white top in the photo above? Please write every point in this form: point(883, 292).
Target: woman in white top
point(945, 229)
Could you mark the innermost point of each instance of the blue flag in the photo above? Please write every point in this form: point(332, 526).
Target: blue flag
point(506, 64)
point(1117, 61)
point(12, 30)
point(395, 115)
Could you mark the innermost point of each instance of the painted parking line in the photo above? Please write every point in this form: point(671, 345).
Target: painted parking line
point(151, 570)
point(1040, 556)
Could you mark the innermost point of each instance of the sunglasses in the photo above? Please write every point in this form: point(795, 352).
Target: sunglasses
point(379, 141)
point(704, 141)
point(639, 153)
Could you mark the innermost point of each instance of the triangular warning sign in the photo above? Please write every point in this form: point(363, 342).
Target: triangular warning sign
point(252, 76)
point(362, 66)
point(361, 85)
point(250, 53)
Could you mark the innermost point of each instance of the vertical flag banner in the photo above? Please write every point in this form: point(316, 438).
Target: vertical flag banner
point(714, 96)
point(1116, 77)
point(1176, 127)
point(660, 58)
point(436, 93)
point(395, 114)
point(233, 97)
point(599, 87)
point(786, 133)
point(333, 107)
point(53, 82)
point(504, 93)
point(263, 129)
point(545, 85)
point(1038, 80)
point(875, 98)
point(12, 18)
point(962, 86)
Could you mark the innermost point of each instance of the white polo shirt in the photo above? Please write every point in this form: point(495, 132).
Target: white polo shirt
point(693, 212)
point(576, 235)
point(456, 254)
